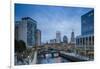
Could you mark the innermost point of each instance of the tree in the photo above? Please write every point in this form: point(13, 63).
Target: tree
point(16, 46)
point(20, 46)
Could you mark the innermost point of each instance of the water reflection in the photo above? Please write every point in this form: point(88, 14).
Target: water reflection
point(49, 59)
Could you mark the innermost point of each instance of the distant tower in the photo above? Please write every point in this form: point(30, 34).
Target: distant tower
point(72, 37)
point(65, 39)
point(38, 37)
point(58, 37)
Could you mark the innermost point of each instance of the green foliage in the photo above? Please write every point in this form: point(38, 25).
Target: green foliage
point(20, 46)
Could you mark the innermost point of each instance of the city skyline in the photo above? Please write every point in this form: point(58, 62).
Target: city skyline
point(53, 18)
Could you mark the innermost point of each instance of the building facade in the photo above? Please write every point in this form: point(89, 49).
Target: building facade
point(58, 37)
point(16, 29)
point(85, 42)
point(87, 23)
point(72, 41)
point(26, 31)
point(65, 39)
point(38, 37)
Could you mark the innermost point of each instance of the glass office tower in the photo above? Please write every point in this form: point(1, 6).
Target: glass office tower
point(85, 42)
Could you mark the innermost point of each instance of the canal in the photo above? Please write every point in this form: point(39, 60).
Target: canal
point(48, 59)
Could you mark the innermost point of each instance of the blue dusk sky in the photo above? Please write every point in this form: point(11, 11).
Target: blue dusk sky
point(53, 18)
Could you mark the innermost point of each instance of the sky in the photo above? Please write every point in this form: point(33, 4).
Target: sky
point(53, 18)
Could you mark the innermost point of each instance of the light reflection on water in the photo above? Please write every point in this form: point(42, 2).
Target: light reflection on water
point(49, 59)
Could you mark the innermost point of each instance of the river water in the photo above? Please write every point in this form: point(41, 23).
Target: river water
point(49, 59)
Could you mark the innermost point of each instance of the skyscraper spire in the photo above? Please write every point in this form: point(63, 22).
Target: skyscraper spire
point(72, 37)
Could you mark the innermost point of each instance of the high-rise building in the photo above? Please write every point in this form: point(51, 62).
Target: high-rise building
point(16, 29)
point(85, 42)
point(87, 23)
point(72, 37)
point(38, 37)
point(65, 39)
point(27, 31)
point(58, 37)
